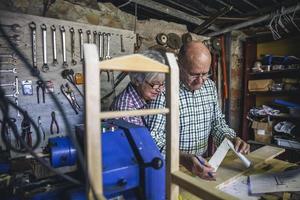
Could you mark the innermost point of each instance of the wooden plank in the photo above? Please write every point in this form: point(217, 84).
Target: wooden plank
point(198, 187)
point(131, 113)
point(134, 63)
point(92, 121)
point(172, 127)
point(232, 168)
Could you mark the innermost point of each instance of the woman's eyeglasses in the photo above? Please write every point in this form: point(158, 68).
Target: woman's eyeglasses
point(156, 86)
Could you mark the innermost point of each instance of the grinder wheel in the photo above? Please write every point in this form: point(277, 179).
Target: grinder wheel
point(161, 38)
point(174, 41)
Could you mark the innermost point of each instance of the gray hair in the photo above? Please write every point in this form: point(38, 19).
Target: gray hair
point(140, 77)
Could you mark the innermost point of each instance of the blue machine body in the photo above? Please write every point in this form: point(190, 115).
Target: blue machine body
point(132, 164)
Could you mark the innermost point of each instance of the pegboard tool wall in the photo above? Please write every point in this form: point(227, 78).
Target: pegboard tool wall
point(24, 43)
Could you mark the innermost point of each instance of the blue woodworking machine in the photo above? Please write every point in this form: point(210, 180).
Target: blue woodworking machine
point(132, 164)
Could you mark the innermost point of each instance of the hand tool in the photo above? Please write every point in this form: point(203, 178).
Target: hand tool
point(13, 27)
point(69, 94)
point(16, 93)
point(8, 55)
point(68, 75)
point(53, 30)
point(100, 44)
point(11, 61)
point(40, 84)
point(35, 71)
point(78, 78)
point(41, 128)
point(89, 36)
point(108, 46)
point(122, 44)
point(81, 44)
point(17, 104)
point(95, 37)
point(64, 53)
point(54, 124)
point(72, 32)
point(26, 132)
point(203, 164)
point(45, 66)
point(13, 70)
point(14, 38)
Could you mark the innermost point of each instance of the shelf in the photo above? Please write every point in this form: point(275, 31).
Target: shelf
point(276, 93)
point(253, 142)
point(287, 73)
point(284, 116)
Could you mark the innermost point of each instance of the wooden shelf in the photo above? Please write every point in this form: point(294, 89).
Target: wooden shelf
point(287, 73)
point(276, 93)
point(284, 116)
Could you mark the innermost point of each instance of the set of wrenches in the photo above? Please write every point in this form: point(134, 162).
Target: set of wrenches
point(100, 38)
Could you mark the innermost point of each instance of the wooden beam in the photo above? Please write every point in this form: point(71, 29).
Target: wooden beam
point(172, 12)
point(131, 113)
point(172, 127)
point(198, 187)
point(133, 63)
point(92, 122)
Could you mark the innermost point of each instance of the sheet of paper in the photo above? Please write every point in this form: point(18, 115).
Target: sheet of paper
point(219, 155)
point(240, 189)
point(275, 182)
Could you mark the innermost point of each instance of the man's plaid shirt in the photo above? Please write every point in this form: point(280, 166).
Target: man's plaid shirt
point(129, 99)
point(200, 116)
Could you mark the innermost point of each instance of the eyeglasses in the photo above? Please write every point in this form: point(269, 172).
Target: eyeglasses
point(203, 76)
point(156, 86)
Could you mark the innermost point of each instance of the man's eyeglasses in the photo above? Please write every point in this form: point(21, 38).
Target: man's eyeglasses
point(156, 86)
point(203, 76)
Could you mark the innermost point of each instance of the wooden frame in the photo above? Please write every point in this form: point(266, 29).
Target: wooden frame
point(93, 114)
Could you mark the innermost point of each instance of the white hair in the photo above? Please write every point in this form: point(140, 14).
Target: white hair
point(140, 77)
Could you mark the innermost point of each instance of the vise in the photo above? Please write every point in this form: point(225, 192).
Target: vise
point(132, 164)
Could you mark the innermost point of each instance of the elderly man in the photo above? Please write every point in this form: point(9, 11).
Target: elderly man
point(199, 112)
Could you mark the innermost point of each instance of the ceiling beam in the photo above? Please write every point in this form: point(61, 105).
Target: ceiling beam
point(172, 12)
point(252, 22)
point(228, 5)
point(251, 4)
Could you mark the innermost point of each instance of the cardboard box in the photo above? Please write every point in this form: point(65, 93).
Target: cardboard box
point(259, 85)
point(262, 132)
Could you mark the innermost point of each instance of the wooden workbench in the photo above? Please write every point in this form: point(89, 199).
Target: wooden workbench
point(232, 168)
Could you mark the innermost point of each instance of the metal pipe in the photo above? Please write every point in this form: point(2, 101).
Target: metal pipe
point(251, 4)
point(228, 5)
point(251, 22)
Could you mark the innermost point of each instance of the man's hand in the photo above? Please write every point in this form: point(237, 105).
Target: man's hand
point(241, 146)
point(198, 166)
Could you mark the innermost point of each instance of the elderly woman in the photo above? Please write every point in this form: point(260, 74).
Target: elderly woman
point(143, 87)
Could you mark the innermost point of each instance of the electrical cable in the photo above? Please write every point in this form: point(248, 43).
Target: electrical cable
point(60, 109)
point(5, 112)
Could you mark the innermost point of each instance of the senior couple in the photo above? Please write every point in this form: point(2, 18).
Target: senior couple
point(199, 111)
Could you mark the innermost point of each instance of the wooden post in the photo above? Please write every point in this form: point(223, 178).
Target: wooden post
point(172, 127)
point(92, 121)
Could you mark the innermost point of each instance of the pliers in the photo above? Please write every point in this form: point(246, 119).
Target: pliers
point(69, 94)
point(41, 128)
point(40, 84)
point(53, 123)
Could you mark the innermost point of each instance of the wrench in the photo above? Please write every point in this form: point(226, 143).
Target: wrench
point(100, 46)
point(89, 36)
point(45, 66)
point(53, 29)
point(81, 44)
point(15, 38)
point(8, 55)
point(95, 37)
point(35, 71)
point(13, 27)
point(108, 46)
point(122, 44)
point(16, 93)
point(73, 46)
point(14, 70)
point(12, 61)
point(63, 34)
